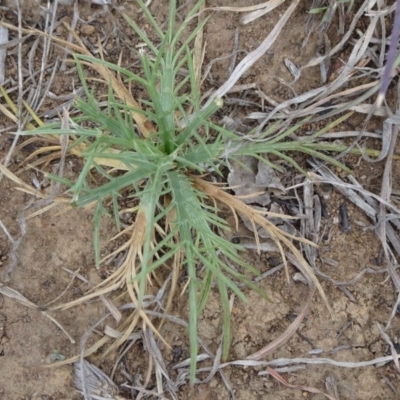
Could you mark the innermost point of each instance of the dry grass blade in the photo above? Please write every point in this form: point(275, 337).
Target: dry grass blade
point(15, 243)
point(387, 339)
point(24, 187)
point(332, 386)
point(96, 384)
point(176, 269)
point(368, 4)
point(252, 57)
point(256, 11)
point(3, 52)
point(145, 126)
point(246, 8)
point(379, 361)
point(279, 378)
point(74, 21)
point(384, 229)
point(109, 305)
point(13, 294)
point(124, 278)
point(13, 108)
point(393, 313)
point(291, 330)
point(109, 334)
point(20, 89)
point(277, 235)
point(272, 4)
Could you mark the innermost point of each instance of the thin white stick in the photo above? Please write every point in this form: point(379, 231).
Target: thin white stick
point(255, 55)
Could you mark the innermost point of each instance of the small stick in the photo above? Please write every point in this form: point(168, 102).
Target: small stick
point(345, 224)
point(324, 211)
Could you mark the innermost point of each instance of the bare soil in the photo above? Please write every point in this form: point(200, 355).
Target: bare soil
point(28, 340)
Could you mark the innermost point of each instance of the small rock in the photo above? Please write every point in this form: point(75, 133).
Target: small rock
point(298, 277)
point(60, 29)
point(88, 30)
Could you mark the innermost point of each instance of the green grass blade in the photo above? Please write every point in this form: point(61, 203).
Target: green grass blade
point(199, 120)
point(151, 19)
point(119, 183)
point(226, 320)
point(114, 67)
point(288, 132)
point(327, 127)
point(148, 204)
point(98, 213)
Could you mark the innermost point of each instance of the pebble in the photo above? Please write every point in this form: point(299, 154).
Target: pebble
point(60, 29)
point(88, 30)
